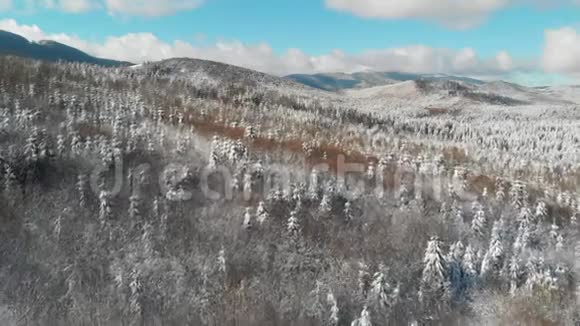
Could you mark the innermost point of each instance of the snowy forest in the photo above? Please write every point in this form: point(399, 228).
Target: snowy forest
point(178, 193)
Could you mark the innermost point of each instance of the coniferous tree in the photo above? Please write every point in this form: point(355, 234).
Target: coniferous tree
point(469, 265)
point(313, 186)
point(515, 274)
point(348, 212)
point(105, 208)
point(364, 280)
point(434, 285)
point(9, 181)
point(293, 225)
point(325, 204)
point(493, 259)
point(478, 225)
point(261, 213)
point(333, 318)
point(135, 207)
point(247, 224)
point(541, 211)
point(60, 145)
point(364, 319)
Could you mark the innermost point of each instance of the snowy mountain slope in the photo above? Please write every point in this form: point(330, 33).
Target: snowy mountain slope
point(522, 93)
point(343, 81)
point(114, 185)
point(216, 73)
point(434, 93)
point(569, 93)
point(411, 96)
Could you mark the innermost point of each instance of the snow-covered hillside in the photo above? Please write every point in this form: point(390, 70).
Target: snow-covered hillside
point(188, 192)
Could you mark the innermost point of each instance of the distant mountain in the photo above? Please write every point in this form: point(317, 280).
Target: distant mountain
point(341, 81)
point(216, 73)
point(437, 94)
point(13, 44)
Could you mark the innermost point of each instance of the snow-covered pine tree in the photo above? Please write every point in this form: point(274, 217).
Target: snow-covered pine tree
point(382, 294)
point(135, 296)
point(147, 238)
point(247, 223)
point(560, 243)
point(458, 217)
point(500, 193)
point(43, 145)
point(31, 148)
point(522, 237)
point(325, 204)
point(457, 279)
point(525, 214)
point(534, 273)
point(76, 144)
point(554, 232)
point(58, 227)
point(445, 212)
point(164, 225)
point(493, 259)
point(88, 146)
point(60, 145)
point(105, 208)
point(313, 305)
point(404, 196)
point(469, 265)
point(478, 225)
point(333, 318)
point(82, 184)
point(515, 273)
point(371, 171)
point(135, 207)
point(247, 185)
point(313, 186)
point(434, 278)
point(364, 279)
point(221, 261)
point(181, 146)
point(364, 319)
point(541, 211)
point(518, 195)
point(293, 225)
point(348, 212)
point(261, 213)
point(9, 181)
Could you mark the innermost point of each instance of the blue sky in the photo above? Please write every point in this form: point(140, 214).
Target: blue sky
point(465, 37)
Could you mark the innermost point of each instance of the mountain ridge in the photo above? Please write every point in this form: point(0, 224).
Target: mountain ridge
point(16, 45)
point(343, 81)
point(330, 85)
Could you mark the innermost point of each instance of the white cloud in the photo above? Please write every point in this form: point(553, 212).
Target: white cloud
point(452, 13)
point(68, 6)
point(5, 5)
point(562, 51)
point(139, 47)
point(456, 13)
point(504, 60)
point(465, 59)
point(76, 6)
point(34, 33)
point(31, 32)
point(150, 7)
